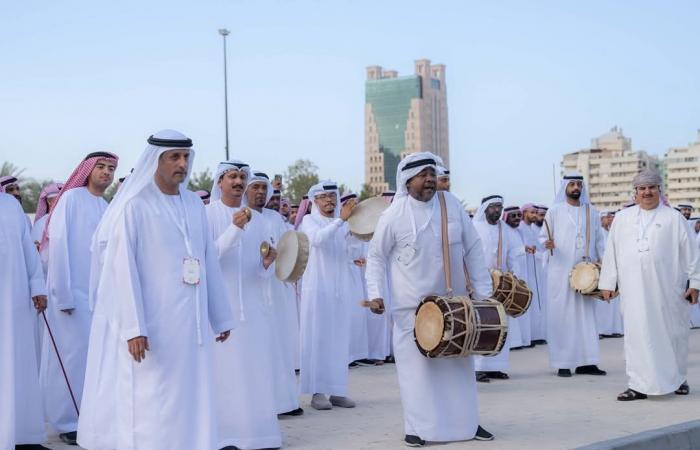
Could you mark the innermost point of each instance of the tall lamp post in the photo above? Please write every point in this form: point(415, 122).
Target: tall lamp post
point(224, 32)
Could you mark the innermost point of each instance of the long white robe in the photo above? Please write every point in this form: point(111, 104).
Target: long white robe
point(21, 416)
point(73, 222)
point(325, 313)
point(244, 369)
point(36, 235)
point(522, 273)
point(652, 286)
point(694, 240)
point(539, 323)
point(534, 281)
point(488, 235)
point(572, 334)
point(438, 395)
point(608, 314)
point(359, 345)
point(285, 329)
point(380, 328)
point(168, 399)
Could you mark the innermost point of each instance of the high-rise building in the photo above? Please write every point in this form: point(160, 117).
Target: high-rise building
point(608, 168)
point(682, 174)
point(403, 115)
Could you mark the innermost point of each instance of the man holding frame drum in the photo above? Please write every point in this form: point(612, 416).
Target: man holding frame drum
point(438, 395)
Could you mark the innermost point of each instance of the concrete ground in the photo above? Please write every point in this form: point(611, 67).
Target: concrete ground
point(533, 410)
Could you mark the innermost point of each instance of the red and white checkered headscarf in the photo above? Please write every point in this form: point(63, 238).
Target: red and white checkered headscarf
point(42, 206)
point(78, 178)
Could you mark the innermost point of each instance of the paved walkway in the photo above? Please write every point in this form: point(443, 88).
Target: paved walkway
point(533, 410)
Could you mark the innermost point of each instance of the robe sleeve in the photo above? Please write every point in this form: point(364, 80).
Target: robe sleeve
point(35, 273)
point(600, 244)
point(59, 264)
point(319, 237)
point(228, 240)
point(689, 255)
point(218, 307)
point(377, 257)
point(475, 260)
point(609, 269)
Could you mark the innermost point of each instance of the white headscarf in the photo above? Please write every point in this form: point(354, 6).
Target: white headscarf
point(320, 188)
point(480, 215)
point(258, 177)
point(411, 166)
point(141, 177)
point(561, 194)
point(224, 167)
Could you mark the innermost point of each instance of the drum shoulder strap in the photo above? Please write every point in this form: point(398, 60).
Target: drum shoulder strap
point(588, 231)
point(499, 251)
point(445, 244)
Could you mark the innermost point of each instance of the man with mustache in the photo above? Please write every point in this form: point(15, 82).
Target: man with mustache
point(325, 308)
point(529, 231)
point(245, 366)
point(159, 307)
point(655, 300)
point(10, 185)
point(495, 236)
point(512, 216)
point(405, 256)
point(572, 335)
point(67, 237)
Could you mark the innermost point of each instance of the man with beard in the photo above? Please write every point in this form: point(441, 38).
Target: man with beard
point(443, 179)
point(10, 185)
point(244, 366)
point(275, 199)
point(530, 231)
point(68, 234)
point(512, 216)
point(572, 335)
point(608, 315)
point(325, 314)
point(495, 236)
point(654, 296)
point(23, 294)
point(438, 395)
point(279, 300)
point(285, 209)
point(541, 213)
point(158, 299)
point(685, 209)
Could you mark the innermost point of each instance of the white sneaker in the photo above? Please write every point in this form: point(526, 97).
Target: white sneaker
point(320, 402)
point(343, 402)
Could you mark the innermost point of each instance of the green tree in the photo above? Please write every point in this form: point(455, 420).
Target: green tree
point(298, 178)
point(366, 192)
point(9, 169)
point(201, 181)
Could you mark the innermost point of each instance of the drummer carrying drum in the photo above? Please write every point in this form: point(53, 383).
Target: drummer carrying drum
point(438, 394)
point(573, 236)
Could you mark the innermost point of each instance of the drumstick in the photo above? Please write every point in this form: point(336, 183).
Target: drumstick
point(549, 234)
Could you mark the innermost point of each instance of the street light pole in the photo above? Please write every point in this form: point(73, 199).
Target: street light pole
point(224, 32)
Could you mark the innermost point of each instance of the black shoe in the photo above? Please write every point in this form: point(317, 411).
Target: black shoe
point(230, 447)
point(565, 373)
point(483, 435)
point(617, 335)
point(413, 441)
point(517, 348)
point(482, 377)
point(353, 364)
point(590, 370)
point(70, 438)
point(539, 342)
point(390, 360)
point(31, 447)
point(294, 412)
point(497, 375)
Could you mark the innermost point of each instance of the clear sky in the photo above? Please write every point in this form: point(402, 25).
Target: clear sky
point(526, 80)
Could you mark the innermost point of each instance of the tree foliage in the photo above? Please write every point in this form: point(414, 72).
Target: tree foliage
point(298, 178)
point(366, 192)
point(201, 181)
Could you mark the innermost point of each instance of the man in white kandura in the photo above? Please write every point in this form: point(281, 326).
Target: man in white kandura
point(244, 375)
point(438, 395)
point(530, 232)
point(157, 294)
point(512, 216)
point(325, 312)
point(572, 334)
point(608, 314)
point(495, 236)
point(69, 229)
point(23, 293)
point(648, 257)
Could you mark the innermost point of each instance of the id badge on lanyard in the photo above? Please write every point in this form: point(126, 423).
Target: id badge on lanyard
point(190, 271)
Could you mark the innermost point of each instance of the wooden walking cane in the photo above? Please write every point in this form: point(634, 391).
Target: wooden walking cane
point(63, 369)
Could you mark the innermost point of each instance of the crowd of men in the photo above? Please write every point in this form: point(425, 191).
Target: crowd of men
point(162, 324)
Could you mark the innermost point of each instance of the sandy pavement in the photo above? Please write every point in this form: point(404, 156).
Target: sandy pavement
point(533, 410)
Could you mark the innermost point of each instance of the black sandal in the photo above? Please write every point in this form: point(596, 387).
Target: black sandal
point(684, 389)
point(631, 394)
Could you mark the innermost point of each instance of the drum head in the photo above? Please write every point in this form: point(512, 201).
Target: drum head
point(292, 256)
point(584, 277)
point(430, 326)
point(365, 216)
